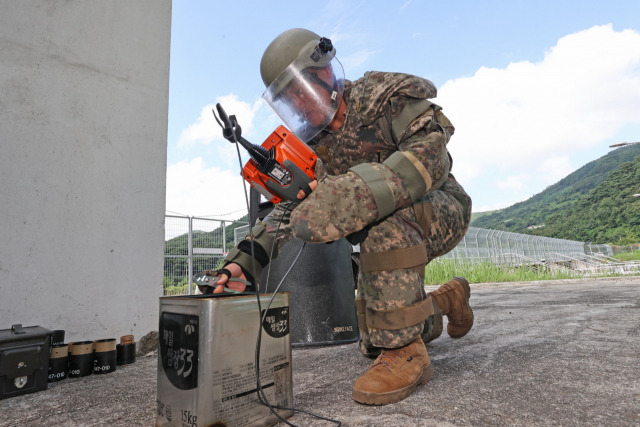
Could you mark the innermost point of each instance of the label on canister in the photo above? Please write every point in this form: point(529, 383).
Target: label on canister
point(178, 337)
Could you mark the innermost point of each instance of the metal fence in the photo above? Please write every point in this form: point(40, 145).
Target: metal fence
point(626, 248)
point(240, 233)
point(195, 244)
point(505, 247)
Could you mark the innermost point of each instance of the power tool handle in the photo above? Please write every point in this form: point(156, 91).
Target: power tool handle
point(231, 130)
point(223, 116)
point(299, 181)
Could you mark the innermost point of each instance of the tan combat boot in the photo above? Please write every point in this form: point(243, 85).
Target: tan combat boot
point(394, 375)
point(453, 300)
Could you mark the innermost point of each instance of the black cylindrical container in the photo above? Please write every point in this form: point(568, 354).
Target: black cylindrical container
point(57, 337)
point(58, 362)
point(80, 359)
point(126, 350)
point(104, 356)
point(126, 353)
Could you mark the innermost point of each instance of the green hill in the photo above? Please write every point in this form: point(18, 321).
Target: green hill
point(476, 215)
point(609, 214)
point(595, 203)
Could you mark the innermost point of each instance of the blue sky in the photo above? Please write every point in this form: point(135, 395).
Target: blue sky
point(535, 89)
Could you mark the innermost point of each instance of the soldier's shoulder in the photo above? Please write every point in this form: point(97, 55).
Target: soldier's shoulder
point(376, 88)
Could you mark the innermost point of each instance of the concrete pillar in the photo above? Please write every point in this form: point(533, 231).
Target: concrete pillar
point(83, 134)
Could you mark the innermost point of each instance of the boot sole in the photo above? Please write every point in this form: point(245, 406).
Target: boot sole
point(467, 295)
point(371, 398)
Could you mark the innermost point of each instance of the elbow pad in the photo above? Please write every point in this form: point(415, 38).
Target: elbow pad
point(414, 175)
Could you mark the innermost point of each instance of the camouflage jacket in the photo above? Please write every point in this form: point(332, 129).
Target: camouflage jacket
point(373, 103)
point(375, 127)
point(390, 152)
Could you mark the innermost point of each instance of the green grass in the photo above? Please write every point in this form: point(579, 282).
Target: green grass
point(628, 256)
point(441, 271)
point(176, 290)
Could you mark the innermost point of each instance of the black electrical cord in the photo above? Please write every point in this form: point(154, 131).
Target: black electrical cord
point(261, 394)
point(262, 398)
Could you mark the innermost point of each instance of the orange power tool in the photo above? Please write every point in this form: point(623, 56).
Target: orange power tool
point(278, 169)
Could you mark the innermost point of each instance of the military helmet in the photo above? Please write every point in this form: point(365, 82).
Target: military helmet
point(292, 60)
point(286, 48)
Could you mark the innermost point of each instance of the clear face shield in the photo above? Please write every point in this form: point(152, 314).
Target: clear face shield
point(306, 96)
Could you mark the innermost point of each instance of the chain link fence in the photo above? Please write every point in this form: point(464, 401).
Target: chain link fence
point(195, 244)
point(625, 248)
point(505, 247)
point(240, 233)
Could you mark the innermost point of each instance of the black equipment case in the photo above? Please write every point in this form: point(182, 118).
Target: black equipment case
point(24, 360)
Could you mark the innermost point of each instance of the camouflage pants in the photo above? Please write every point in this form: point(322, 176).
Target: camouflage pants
point(391, 302)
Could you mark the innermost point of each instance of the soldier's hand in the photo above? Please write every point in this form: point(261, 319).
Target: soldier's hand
point(235, 271)
point(313, 185)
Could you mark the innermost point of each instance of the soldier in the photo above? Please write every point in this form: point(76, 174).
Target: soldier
point(383, 180)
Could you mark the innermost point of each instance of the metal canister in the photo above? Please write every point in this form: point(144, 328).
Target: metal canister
point(206, 362)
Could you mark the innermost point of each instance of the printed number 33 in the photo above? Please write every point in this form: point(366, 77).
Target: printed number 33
point(183, 363)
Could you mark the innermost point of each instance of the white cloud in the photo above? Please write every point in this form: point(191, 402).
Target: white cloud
point(197, 190)
point(511, 183)
point(529, 118)
point(404, 5)
point(554, 169)
point(214, 187)
point(205, 129)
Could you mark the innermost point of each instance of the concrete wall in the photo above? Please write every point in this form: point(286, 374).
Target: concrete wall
point(83, 131)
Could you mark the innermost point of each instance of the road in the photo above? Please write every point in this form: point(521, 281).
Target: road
point(562, 353)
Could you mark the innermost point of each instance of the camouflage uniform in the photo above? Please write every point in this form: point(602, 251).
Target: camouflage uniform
point(391, 127)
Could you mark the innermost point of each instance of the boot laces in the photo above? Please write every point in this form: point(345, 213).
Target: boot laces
point(390, 358)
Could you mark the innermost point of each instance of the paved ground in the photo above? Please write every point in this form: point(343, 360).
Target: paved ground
point(544, 353)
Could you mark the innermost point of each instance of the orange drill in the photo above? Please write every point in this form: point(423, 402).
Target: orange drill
point(278, 169)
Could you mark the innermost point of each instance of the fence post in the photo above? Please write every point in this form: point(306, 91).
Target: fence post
point(224, 238)
point(190, 254)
